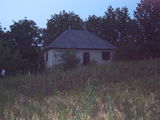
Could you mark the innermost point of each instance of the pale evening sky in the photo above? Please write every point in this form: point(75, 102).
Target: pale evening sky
point(41, 10)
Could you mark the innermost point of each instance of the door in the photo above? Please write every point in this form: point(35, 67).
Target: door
point(86, 58)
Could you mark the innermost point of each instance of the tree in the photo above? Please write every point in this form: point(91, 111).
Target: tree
point(147, 15)
point(104, 27)
point(8, 61)
point(115, 26)
point(94, 24)
point(25, 38)
point(117, 23)
point(122, 25)
point(118, 28)
point(109, 30)
point(1, 31)
point(59, 23)
point(25, 33)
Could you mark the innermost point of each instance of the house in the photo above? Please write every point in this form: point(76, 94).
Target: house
point(88, 48)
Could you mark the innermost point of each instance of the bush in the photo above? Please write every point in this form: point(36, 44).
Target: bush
point(130, 52)
point(69, 59)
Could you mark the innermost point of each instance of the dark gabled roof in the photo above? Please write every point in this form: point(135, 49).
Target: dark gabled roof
point(79, 39)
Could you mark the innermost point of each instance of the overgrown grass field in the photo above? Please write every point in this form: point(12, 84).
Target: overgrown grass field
point(116, 91)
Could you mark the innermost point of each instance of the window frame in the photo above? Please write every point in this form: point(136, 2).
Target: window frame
point(106, 55)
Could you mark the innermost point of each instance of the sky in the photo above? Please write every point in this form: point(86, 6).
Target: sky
point(41, 10)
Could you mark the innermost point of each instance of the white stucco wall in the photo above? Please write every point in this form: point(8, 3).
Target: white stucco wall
point(95, 55)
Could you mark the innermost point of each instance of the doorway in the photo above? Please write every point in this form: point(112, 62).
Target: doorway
point(86, 58)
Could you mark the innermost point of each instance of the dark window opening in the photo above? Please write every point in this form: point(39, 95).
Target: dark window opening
point(86, 58)
point(46, 56)
point(106, 56)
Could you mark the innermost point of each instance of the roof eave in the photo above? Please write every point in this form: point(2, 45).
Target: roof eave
point(82, 48)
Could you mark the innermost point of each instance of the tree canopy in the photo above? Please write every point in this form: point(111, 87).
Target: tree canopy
point(147, 16)
point(20, 47)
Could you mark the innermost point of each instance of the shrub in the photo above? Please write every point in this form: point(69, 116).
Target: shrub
point(69, 59)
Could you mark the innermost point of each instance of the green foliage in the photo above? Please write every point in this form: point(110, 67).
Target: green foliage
point(1, 31)
point(20, 51)
point(69, 59)
point(114, 26)
point(89, 99)
point(147, 16)
point(10, 62)
point(25, 37)
point(139, 36)
point(129, 52)
point(117, 21)
point(94, 24)
point(25, 33)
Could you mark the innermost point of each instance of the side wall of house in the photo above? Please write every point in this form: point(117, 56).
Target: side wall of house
point(95, 56)
point(53, 57)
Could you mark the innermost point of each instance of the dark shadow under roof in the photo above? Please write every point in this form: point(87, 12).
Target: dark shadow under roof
point(79, 39)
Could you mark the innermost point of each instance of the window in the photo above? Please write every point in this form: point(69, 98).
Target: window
point(46, 56)
point(106, 56)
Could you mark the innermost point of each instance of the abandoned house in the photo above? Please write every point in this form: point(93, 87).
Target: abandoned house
point(88, 48)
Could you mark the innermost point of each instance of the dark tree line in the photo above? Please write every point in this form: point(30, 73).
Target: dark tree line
point(136, 38)
point(147, 16)
point(20, 51)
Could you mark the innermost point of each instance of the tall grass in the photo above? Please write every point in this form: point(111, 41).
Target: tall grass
point(116, 91)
